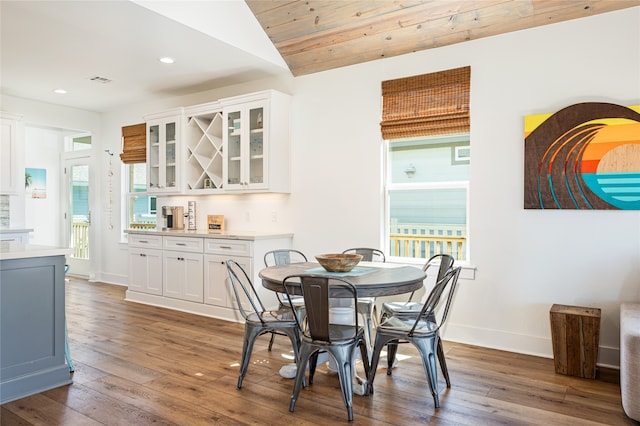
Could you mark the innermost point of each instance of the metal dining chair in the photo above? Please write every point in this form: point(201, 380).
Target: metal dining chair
point(421, 331)
point(319, 333)
point(410, 308)
point(367, 305)
point(258, 320)
point(286, 257)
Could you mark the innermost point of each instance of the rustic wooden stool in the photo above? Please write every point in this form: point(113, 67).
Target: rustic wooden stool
point(575, 332)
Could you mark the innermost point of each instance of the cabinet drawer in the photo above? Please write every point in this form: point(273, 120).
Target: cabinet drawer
point(193, 245)
point(227, 247)
point(145, 241)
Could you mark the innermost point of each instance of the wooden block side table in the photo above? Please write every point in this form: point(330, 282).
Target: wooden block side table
point(575, 332)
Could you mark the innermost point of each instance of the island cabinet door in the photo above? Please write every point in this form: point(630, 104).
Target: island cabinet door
point(183, 275)
point(145, 270)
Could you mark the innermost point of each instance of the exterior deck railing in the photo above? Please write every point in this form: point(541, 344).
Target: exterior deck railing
point(423, 241)
point(80, 240)
point(142, 225)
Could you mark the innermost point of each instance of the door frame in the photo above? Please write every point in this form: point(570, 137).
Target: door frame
point(80, 267)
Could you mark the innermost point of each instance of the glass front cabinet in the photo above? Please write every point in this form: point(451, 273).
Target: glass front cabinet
point(163, 148)
point(256, 142)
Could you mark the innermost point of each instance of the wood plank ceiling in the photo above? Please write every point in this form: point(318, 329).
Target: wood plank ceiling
point(318, 35)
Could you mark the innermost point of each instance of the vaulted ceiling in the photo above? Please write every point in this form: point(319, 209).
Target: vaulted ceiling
point(105, 52)
point(317, 35)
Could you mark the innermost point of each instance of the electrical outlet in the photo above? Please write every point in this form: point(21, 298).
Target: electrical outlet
point(274, 216)
point(247, 216)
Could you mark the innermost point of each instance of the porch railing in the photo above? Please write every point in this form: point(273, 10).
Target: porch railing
point(142, 226)
point(423, 241)
point(80, 240)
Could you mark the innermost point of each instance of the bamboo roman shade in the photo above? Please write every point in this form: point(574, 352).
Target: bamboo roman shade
point(426, 105)
point(134, 146)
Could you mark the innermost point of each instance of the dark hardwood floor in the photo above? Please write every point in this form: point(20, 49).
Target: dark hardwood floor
point(141, 365)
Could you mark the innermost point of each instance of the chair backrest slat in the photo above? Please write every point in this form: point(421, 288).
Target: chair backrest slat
point(450, 280)
point(319, 293)
point(283, 257)
point(242, 285)
point(368, 254)
point(444, 262)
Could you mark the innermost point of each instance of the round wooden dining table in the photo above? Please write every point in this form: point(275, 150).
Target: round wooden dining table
point(371, 279)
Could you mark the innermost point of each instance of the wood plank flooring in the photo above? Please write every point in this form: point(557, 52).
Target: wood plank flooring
point(141, 365)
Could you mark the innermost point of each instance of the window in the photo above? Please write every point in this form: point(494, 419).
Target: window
point(427, 191)
point(78, 143)
point(425, 123)
point(141, 208)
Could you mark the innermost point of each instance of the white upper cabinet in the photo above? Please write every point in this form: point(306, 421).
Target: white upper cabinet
point(163, 152)
point(11, 177)
point(256, 142)
point(234, 145)
point(203, 149)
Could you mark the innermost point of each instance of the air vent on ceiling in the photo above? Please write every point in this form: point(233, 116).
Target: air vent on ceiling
point(99, 79)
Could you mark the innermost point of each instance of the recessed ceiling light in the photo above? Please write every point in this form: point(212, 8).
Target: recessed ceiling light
point(167, 60)
point(60, 91)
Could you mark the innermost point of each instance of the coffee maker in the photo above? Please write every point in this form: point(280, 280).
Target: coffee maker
point(174, 217)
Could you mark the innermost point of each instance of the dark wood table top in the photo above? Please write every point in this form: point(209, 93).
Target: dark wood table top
point(372, 279)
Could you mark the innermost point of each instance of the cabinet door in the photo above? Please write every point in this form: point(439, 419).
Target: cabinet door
point(162, 152)
point(183, 275)
point(218, 288)
point(9, 181)
point(256, 151)
point(246, 160)
point(215, 281)
point(145, 270)
point(233, 148)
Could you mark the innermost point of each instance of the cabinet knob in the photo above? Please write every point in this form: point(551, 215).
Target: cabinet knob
point(143, 255)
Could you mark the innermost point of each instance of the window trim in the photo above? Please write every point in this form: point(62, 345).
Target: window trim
point(465, 140)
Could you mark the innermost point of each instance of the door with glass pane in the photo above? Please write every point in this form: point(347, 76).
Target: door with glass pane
point(78, 176)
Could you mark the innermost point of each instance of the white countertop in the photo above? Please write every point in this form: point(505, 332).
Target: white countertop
point(14, 230)
point(13, 250)
point(240, 235)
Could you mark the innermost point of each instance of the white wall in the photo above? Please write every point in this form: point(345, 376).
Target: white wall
point(526, 260)
point(43, 147)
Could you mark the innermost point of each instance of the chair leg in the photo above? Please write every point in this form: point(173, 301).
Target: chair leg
point(427, 348)
point(364, 354)
point(67, 352)
point(392, 350)
point(250, 334)
point(306, 352)
point(273, 336)
point(443, 363)
point(380, 342)
point(313, 362)
point(343, 356)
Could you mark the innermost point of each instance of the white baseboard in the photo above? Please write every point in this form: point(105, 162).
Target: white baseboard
point(519, 343)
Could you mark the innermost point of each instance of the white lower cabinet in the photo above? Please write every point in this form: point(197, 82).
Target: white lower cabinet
point(145, 270)
point(189, 273)
point(145, 264)
point(218, 289)
point(182, 275)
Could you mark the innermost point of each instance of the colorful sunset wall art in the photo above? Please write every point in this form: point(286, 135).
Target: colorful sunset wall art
point(584, 157)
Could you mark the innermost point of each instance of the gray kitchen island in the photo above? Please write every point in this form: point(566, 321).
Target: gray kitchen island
point(32, 320)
